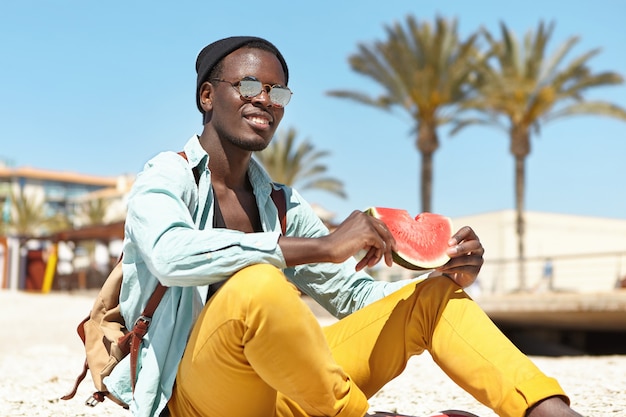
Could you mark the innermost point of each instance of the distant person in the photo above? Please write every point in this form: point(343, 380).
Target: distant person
point(253, 347)
point(548, 274)
point(65, 257)
point(101, 258)
point(547, 277)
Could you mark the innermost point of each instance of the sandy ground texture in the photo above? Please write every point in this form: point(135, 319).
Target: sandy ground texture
point(40, 356)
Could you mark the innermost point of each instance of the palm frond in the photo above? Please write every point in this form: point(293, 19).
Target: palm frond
point(596, 108)
point(298, 164)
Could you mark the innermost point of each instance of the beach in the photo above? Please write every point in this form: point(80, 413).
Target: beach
point(41, 355)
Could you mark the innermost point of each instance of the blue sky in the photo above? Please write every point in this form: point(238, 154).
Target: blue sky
point(100, 87)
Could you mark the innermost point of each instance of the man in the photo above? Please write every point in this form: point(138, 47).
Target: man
point(252, 347)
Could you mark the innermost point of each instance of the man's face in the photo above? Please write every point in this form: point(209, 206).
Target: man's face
point(249, 124)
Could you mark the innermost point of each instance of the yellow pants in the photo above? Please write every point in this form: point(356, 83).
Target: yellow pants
point(258, 350)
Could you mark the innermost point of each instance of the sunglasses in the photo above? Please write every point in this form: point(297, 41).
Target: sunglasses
point(249, 87)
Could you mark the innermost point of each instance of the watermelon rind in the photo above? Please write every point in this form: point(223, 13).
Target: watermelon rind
point(394, 218)
point(405, 263)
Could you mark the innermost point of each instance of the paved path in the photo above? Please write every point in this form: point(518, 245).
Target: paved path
point(580, 311)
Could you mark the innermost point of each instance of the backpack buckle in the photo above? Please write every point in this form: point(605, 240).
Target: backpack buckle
point(143, 319)
point(92, 401)
point(95, 398)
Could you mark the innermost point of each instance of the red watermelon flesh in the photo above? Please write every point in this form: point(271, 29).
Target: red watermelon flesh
point(421, 242)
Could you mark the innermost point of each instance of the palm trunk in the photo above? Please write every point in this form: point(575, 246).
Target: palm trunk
point(520, 173)
point(427, 143)
point(520, 148)
point(427, 181)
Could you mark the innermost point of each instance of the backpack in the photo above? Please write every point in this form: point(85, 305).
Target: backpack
point(105, 336)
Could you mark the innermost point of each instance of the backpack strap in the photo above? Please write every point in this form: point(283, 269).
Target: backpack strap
point(131, 341)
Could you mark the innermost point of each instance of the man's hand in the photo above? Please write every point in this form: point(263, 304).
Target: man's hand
point(361, 232)
point(466, 257)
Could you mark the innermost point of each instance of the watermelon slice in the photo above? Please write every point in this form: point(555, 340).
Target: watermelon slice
point(421, 241)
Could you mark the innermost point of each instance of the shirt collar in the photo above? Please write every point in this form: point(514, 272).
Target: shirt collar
point(197, 156)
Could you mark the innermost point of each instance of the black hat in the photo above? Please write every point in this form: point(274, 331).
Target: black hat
point(213, 53)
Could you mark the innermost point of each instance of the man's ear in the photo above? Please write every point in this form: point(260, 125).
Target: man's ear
point(206, 96)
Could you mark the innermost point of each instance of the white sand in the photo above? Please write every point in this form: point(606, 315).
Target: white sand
point(40, 356)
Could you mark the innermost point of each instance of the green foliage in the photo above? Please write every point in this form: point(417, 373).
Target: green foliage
point(29, 215)
point(521, 87)
point(425, 70)
point(94, 211)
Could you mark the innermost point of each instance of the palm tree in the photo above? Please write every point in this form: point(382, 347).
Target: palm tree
point(6, 216)
point(28, 215)
point(425, 71)
point(298, 166)
point(520, 88)
point(93, 211)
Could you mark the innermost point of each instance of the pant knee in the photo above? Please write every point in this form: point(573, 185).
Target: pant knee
point(439, 290)
point(428, 302)
point(261, 282)
point(444, 284)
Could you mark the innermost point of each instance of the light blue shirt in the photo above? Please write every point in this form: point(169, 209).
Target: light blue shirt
point(169, 238)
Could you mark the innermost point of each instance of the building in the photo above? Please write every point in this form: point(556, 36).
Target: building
point(61, 195)
point(581, 253)
point(563, 253)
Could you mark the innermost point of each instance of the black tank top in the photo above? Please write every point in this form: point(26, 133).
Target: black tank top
point(218, 223)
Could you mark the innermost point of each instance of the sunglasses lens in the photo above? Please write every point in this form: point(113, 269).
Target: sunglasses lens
point(250, 88)
point(280, 96)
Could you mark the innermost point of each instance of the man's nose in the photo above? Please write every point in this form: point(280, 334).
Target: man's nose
point(263, 97)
